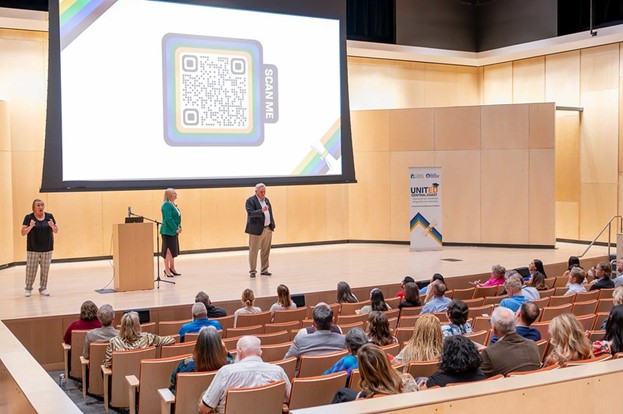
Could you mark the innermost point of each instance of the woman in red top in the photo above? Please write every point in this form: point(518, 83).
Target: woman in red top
point(88, 320)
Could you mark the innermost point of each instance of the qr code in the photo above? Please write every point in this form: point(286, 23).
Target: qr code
point(214, 91)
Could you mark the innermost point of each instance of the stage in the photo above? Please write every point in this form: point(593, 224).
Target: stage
point(224, 275)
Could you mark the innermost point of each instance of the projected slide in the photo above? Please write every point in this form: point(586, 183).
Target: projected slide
point(157, 91)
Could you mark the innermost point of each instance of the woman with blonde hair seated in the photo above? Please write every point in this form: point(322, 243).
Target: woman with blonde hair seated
point(378, 377)
point(425, 344)
point(568, 341)
point(248, 300)
point(131, 337)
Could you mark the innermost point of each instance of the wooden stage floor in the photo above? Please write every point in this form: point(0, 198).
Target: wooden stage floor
point(224, 275)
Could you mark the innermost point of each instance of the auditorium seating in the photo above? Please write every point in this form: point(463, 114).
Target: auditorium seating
point(188, 386)
point(316, 390)
point(265, 399)
point(312, 365)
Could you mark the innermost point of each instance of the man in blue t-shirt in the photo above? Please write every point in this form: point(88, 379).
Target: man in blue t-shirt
point(515, 295)
point(200, 319)
point(525, 316)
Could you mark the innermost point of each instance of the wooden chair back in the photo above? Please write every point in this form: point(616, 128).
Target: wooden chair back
point(481, 323)
point(547, 293)
point(483, 291)
point(252, 319)
point(348, 319)
point(149, 327)
point(77, 345)
point(480, 337)
point(393, 313)
point(541, 303)
point(124, 363)
point(353, 381)
point(605, 293)
point(476, 301)
point(480, 311)
point(412, 311)
point(191, 337)
point(600, 358)
point(493, 300)
point(544, 369)
point(600, 318)
point(335, 307)
point(271, 353)
point(154, 374)
point(604, 305)
point(290, 315)
point(288, 365)
point(561, 281)
point(347, 327)
point(543, 328)
point(542, 346)
point(593, 295)
point(422, 368)
point(550, 281)
point(561, 300)
point(407, 321)
point(315, 391)
point(226, 321)
point(265, 399)
point(313, 365)
point(587, 321)
point(392, 349)
point(350, 308)
point(97, 350)
point(166, 328)
point(596, 335)
point(281, 326)
point(393, 323)
point(393, 302)
point(588, 307)
point(244, 330)
point(189, 386)
point(403, 335)
point(274, 338)
point(184, 348)
point(550, 312)
point(464, 294)
point(560, 291)
point(442, 316)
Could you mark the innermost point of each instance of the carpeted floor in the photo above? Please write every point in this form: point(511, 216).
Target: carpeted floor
point(73, 389)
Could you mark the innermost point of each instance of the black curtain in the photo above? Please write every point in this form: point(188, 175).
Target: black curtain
point(371, 20)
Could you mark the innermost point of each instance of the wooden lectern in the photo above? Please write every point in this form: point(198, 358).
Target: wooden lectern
point(133, 256)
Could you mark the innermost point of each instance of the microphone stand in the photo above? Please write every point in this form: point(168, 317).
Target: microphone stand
point(158, 279)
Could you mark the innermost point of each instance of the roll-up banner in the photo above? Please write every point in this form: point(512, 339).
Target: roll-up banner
point(425, 200)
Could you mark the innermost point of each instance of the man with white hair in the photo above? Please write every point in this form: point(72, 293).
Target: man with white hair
point(248, 371)
point(515, 299)
point(200, 319)
point(106, 315)
point(260, 227)
point(511, 352)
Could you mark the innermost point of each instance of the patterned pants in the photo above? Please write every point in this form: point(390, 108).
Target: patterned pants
point(33, 261)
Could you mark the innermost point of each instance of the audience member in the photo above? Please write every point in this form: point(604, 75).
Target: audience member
point(355, 339)
point(438, 303)
point(425, 290)
point(602, 277)
point(311, 329)
point(209, 354)
point(200, 319)
point(618, 281)
point(511, 352)
point(378, 326)
point(403, 283)
point(344, 295)
point(572, 262)
point(460, 362)
point(88, 320)
point(538, 282)
point(535, 266)
point(525, 316)
point(213, 311)
point(249, 371)
point(411, 296)
point(457, 314)
point(576, 281)
point(247, 299)
point(515, 294)
point(377, 303)
point(106, 315)
point(497, 278)
point(284, 301)
point(567, 340)
point(378, 377)
point(130, 337)
point(425, 343)
point(322, 341)
point(613, 340)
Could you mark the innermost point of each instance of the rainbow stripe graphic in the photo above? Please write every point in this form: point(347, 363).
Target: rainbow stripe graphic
point(314, 162)
point(77, 15)
point(420, 220)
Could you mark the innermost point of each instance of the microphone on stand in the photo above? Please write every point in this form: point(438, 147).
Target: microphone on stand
point(129, 211)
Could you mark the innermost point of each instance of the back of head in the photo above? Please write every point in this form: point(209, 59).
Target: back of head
point(407, 279)
point(130, 329)
point(538, 281)
point(344, 294)
point(614, 329)
point(203, 298)
point(617, 296)
point(605, 266)
point(427, 340)
point(568, 339)
point(323, 317)
point(209, 353)
point(529, 312)
point(438, 288)
point(377, 374)
point(577, 275)
point(498, 270)
point(503, 320)
point(355, 339)
point(248, 346)
point(199, 311)
point(88, 311)
point(412, 294)
point(573, 262)
point(438, 276)
point(248, 298)
point(106, 315)
point(377, 300)
point(283, 296)
point(458, 312)
point(378, 325)
point(459, 355)
point(513, 285)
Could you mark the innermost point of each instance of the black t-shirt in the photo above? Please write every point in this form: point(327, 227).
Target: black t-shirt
point(407, 304)
point(443, 378)
point(214, 312)
point(40, 238)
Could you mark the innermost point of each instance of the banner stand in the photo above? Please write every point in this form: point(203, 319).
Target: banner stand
point(425, 205)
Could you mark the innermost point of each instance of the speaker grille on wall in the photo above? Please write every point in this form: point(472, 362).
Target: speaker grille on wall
point(143, 314)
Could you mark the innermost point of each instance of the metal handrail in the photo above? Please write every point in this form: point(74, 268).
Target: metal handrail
point(609, 227)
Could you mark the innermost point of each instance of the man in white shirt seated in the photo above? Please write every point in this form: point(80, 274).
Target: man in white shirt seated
point(248, 371)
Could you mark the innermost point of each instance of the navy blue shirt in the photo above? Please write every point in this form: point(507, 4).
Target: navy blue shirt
point(525, 331)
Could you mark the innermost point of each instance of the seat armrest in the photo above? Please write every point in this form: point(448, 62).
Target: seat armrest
point(66, 351)
point(84, 364)
point(107, 372)
point(166, 399)
point(133, 383)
